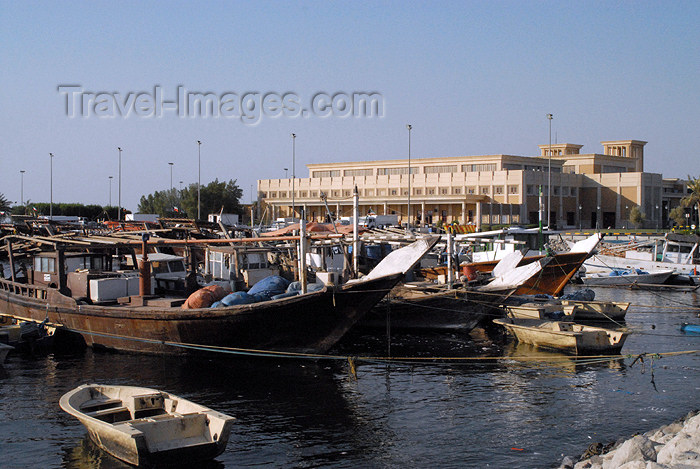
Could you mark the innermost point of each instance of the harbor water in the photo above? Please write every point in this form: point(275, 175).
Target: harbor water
point(507, 407)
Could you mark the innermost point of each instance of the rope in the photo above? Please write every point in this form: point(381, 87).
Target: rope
point(379, 359)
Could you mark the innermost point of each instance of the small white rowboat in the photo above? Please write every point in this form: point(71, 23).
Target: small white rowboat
point(144, 426)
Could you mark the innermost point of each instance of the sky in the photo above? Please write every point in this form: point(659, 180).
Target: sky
point(80, 79)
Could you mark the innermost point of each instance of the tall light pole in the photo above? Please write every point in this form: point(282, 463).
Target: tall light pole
point(199, 178)
point(110, 190)
point(21, 190)
point(580, 222)
point(51, 188)
point(171, 177)
point(285, 173)
point(408, 219)
point(294, 174)
point(549, 179)
point(119, 191)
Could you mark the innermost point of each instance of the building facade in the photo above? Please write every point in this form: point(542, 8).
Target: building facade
point(588, 190)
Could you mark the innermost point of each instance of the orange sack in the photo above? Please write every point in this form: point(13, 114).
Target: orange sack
point(204, 297)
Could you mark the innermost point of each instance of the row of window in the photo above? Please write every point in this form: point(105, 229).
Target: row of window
point(395, 171)
point(565, 191)
point(513, 189)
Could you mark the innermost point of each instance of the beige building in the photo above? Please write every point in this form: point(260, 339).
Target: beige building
point(588, 190)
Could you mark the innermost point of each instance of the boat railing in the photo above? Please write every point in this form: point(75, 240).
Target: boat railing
point(23, 289)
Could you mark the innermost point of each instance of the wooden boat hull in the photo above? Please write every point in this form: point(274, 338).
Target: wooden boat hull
point(144, 426)
point(567, 337)
point(595, 310)
point(418, 309)
point(654, 278)
point(310, 323)
point(4, 350)
point(553, 277)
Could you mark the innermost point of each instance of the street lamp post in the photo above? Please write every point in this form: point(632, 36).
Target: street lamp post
point(658, 219)
point(21, 190)
point(597, 218)
point(119, 190)
point(549, 178)
point(580, 222)
point(199, 177)
point(294, 175)
point(408, 212)
point(285, 173)
point(51, 188)
point(627, 217)
point(110, 190)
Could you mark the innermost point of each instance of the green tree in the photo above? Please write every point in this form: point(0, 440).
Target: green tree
point(677, 214)
point(692, 199)
point(214, 196)
point(4, 203)
point(637, 217)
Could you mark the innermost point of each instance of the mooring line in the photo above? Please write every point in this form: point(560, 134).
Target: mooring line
point(378, 359)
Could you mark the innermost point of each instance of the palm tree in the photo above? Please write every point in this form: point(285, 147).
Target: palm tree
point(692, 199)
point(4, 204)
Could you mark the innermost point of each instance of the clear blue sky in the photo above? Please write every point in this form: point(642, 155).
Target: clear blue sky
point(471, 77)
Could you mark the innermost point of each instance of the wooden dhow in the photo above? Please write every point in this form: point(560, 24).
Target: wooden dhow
point(56, 293)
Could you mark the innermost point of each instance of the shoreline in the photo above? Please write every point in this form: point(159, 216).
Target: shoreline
point(676, 445)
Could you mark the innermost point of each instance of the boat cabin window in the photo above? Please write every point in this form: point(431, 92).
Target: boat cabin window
point(684, 249)
point(159, 267)
point(176, 266)
point(255, 261)
point(45, 264)
point(84, 262)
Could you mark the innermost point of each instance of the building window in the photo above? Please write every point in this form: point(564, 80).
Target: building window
point(395, 171)
point(443, 191)
point(484, 190)
point(392, 192)
point(472, 168)
point(614, 169)
point(513, 189)
point(498, 190)
point(440, 169)
point(283, 193)
point(326, 174)
point(381, 191)
point(369, 192)
point(273, 194)
point(457, 190)
point(263, 195)
point(314, 193)
point(347, 193)
point(336, 193)
point(555, 190)
point(302, 194)
point(419, 191)
point(471, 190)
point(358, 172)
point(431, 191)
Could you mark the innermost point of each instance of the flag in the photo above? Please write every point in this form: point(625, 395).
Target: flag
point(177, 210)
point(34, 208)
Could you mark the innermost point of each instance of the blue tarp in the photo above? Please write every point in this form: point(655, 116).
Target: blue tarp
point(270, 286)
